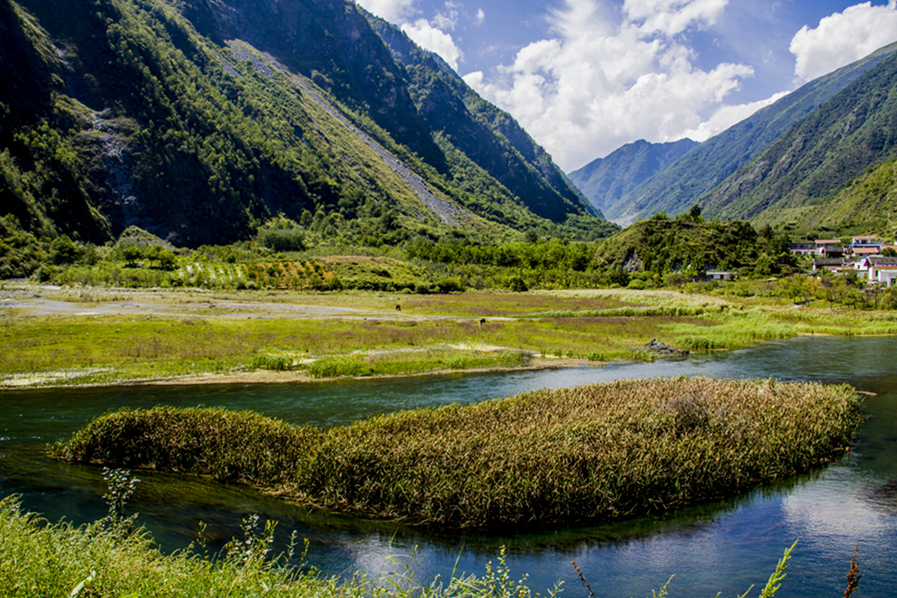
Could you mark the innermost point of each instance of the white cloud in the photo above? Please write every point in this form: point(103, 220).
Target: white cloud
point(670, 17)
point(448, 19)
point(480, 18)
point(391, 10)
point(843, 38)
point(433, 39)
point(427, 35)
point(611, 77)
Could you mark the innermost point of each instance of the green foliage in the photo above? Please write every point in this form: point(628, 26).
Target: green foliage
point(121, 485)
point(272, 362)
point(63, 251)
point(774, 583)
point(282, 234)
point(53, 558)
point(864, 206)
point(21, 254)
point(687, 245)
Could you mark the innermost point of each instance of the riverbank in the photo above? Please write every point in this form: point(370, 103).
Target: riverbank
point(70, 337)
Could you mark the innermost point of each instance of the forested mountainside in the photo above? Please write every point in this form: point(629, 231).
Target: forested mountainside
point(699, 171)
point(479, 134)
point(865, 206)
point(854, 130)
point(606, 180)
point(198, 120)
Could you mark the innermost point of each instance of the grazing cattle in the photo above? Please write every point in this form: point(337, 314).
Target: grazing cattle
point(398, 308)
point(482, 321)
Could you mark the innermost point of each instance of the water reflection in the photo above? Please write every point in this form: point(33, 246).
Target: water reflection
point(724, 546)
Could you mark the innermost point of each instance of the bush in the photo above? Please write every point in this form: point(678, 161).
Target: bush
point(282, 234)
point(64, 251)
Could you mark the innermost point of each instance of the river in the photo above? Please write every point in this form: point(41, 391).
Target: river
point(721, 547)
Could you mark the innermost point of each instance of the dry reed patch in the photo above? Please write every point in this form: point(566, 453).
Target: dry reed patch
point(547, 457)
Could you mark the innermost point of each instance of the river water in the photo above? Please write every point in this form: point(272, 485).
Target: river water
point(720, 547)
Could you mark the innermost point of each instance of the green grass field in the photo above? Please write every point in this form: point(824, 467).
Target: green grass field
point(98, 336)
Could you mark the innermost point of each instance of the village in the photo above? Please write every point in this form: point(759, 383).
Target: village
point(871, 259)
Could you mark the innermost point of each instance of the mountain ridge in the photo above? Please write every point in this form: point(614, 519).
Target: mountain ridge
point(199, 120)
point(854, 130)
point(606, 180)
point(685, 182)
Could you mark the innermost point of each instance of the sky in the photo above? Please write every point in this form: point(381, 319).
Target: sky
point(584, 77)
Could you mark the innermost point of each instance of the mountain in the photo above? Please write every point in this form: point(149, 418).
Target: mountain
point(461, 121)
point(199, 120)
point(681, 185)
point(606, 180)
point(866, 206)
point(855, 130)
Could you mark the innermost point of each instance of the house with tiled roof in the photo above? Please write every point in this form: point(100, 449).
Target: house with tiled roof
point(836, 265)
point(878, 269)
point(866, 241)
point(823, 245)
point(803, 248)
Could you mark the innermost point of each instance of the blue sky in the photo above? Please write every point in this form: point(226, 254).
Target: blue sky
point(584, 77)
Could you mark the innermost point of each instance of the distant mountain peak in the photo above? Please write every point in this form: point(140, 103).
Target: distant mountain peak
point(606, 181)
point(682, 184)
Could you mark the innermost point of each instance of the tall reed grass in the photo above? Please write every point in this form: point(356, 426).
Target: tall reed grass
point(545, 457)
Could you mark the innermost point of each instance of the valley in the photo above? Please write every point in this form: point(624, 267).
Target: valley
point(291, 269)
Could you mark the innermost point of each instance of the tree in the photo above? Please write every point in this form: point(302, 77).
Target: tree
point(63, 251)
point(695, 213)
point(131, 253)
point(167, 260)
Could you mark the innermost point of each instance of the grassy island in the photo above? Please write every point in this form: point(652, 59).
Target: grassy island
point(546, 457)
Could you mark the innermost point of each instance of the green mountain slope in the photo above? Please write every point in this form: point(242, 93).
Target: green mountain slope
point(199, 120)
point(479, 134)
point(606, 180)
point(677, 188)
point(855, 129)
point(868, 205)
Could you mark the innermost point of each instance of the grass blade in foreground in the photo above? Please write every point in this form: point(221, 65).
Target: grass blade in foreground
point(57, 559)
point(546, 457)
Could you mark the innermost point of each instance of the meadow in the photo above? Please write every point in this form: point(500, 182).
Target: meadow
point(100, 336)
point(547, 457)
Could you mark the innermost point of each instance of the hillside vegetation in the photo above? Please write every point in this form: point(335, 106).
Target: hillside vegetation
point(662, 249)
point(866, 205)
point(199, 122)
point(855, 129)
point(675, 189)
